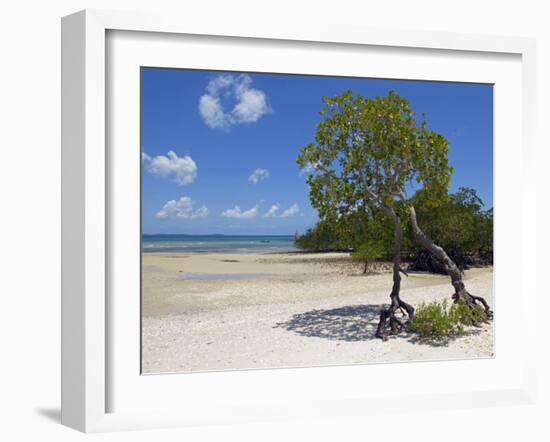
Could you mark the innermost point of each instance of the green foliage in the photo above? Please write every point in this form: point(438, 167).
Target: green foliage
point(436, 321)
point(373, 229)
point(433, 321)
point(483, 231)
point(370, 250)
point(349, 232)
point(456, 222)
point(366, 151)
point(463, 315)
point(324, 236)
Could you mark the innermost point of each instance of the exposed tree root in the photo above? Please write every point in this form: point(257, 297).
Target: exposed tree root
point(388, 315)
point(461, 294)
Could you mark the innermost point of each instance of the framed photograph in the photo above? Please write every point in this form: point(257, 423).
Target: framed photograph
point(268, 223)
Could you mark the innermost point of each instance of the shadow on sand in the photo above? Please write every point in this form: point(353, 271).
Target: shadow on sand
point(350, 323)
point(354, 323)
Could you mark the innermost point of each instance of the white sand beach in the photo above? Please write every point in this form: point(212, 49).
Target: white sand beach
point(224, 311)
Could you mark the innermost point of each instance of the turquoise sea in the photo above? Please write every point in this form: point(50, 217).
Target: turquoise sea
point(217, 243)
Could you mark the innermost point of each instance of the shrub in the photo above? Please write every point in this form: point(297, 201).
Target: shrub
point(463, 315)
point(432, 320)
point(436, 321)
point(368, 251)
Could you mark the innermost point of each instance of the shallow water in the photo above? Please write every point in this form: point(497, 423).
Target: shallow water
point(217, 243)
point(151, 268)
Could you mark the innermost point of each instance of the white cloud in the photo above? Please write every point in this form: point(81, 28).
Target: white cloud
point(182, 208)
point(236, 212)
point(220, 82)
point(272, 212)
point(291, 211)
point(212, 113)
point(309, 168)
point(258, 175)
point(250, 103)
point(182, 169)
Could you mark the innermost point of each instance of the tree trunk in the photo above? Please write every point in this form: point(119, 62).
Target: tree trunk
point(366, 266)
point(450, 267)
point(388, 314)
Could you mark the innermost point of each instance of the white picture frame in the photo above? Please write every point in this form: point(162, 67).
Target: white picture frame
point(86, 205)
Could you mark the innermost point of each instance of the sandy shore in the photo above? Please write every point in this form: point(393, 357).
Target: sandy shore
point(233, 311)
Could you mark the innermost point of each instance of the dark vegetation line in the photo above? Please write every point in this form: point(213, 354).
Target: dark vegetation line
point(459, 224)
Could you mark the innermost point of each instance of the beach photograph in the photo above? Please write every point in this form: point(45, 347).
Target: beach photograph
point(302, 221)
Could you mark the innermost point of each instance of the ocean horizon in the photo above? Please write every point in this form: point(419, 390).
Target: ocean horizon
point(157, 243)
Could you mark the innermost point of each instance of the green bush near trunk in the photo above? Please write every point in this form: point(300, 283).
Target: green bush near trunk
point(436, 320)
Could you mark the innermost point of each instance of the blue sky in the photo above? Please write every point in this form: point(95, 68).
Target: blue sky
point(219, 148)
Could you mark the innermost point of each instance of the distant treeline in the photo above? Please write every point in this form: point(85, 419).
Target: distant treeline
point(458, 223)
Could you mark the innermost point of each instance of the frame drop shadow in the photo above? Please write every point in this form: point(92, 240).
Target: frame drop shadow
point(51, 414)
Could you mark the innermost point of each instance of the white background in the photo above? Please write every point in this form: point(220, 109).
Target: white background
point(252, 391)
point(29, 191)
